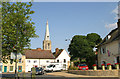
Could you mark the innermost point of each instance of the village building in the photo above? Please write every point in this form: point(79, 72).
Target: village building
point(44, 57)
point(109, 48)
point(61, 56)
point(38, 58)
point(9, 66)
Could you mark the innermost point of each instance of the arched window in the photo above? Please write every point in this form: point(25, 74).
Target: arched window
point(48, 45)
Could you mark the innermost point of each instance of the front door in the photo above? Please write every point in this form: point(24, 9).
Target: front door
point(5, 68)
point(19, 68)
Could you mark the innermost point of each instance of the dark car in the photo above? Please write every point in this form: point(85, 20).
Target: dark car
point(40, 70)
point(83, 67)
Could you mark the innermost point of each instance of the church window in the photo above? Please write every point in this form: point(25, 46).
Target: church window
point(48, 45)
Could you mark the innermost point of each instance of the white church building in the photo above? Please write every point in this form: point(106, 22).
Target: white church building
point(44, 57)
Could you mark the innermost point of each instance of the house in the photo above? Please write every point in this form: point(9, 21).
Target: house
point(109, 48)
point(61, 56)
point(10, 65)
point(38, 58)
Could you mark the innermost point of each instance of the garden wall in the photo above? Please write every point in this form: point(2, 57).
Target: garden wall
point(96, 72)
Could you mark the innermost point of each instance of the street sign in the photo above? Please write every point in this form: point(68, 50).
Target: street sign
point(19, 55)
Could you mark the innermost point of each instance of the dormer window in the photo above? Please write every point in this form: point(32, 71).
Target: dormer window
point(109, 36)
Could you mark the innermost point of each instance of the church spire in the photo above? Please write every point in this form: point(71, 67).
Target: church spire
point(47, 37)
point(47, 41)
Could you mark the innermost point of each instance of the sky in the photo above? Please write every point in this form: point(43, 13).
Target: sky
point(66, 19)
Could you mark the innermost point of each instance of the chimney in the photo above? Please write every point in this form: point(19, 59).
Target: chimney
point(56, 50)
point(39, 49)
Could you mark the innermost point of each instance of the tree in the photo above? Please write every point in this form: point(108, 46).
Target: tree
point(82, 47)
point(17, 28)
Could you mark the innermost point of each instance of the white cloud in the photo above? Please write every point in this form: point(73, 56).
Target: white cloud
point(111, 26)
point(115, 11)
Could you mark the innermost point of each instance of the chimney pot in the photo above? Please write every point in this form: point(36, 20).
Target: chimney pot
point(56, 50)
point(39, 49)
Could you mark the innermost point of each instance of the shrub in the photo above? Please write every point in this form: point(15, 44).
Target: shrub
point(73, 68)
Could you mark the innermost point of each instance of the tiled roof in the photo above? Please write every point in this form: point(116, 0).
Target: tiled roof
point(56, 54)
point(38, 54)
point(114, 36)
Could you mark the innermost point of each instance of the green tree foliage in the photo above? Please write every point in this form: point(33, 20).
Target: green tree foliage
point(82, 47)
point(17, 28)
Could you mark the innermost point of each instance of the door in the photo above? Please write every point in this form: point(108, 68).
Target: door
point(19, 68)
point(5, 68)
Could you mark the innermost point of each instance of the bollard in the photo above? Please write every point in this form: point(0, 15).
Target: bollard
point(117, 66)
point(33, 72)
point(24, 75)
point(103, 66)
point(109, 67)
point(94, 67)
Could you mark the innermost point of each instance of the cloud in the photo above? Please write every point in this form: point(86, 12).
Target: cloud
point(111, 26)
point(115, 11)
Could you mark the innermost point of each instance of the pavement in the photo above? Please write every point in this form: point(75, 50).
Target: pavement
point(56, 75)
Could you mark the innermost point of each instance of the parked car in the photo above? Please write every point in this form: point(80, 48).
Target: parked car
point(53, 67)
point(40, 70)
point(83, 67)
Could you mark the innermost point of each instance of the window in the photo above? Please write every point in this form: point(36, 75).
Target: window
point(48, 45)
point(64, 65)
point(47, 61)
point(119, 45)
point(35, 61)
point(20, 60)
point(28, 61)
point(11, 61)
point(45, 46)
point(64, 60)
point(58, 61)
point(11, 68)
point(103, 50)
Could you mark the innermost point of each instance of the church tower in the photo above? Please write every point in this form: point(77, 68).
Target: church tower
point(47, 41)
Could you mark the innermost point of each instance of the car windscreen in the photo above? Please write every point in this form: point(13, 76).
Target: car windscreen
point(38, 69)
point(49, 66)
point(82, 65)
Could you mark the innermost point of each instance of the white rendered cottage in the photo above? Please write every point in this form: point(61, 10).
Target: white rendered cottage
point(38, 58)
point(61, 56)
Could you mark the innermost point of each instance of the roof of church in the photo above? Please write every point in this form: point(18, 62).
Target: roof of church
point(38, 54)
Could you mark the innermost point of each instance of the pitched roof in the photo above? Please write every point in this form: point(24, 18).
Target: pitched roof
point(56, 54)
point(38, 54)
point(114, 35)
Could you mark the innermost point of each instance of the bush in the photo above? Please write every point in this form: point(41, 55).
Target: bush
point(73, 68)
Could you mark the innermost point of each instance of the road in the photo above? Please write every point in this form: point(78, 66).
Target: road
point(55, 75)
